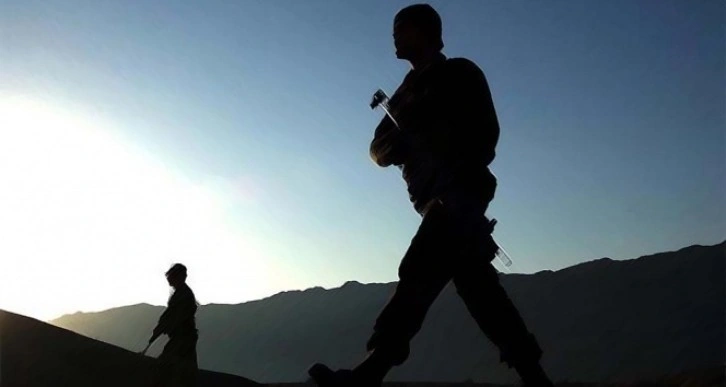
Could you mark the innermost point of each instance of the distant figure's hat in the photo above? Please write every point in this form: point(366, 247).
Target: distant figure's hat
point(177, 269)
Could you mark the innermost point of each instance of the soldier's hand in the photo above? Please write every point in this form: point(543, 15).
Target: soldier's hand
point(143, 353)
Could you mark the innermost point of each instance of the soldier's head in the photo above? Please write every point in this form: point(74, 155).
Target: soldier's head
point(176, 275)
point(417, 32)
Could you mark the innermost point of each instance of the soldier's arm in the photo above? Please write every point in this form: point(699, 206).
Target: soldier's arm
point(182, 306)
point(161, 325)
point(167, 318)
point(388, 146)
point(187, 306)
point(470, 109)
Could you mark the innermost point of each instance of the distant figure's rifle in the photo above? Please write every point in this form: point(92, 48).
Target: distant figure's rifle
point(143, 353)
point(151, 341)
point(380, 99)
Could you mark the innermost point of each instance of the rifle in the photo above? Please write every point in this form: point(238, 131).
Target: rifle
point(380, 99)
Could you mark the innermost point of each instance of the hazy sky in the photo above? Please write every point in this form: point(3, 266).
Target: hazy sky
point(233, 136)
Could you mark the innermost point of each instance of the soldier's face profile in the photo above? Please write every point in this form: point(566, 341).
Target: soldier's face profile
point(406, 39)
point(174, 279)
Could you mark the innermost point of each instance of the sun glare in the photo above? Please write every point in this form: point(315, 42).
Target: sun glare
point(88, 222)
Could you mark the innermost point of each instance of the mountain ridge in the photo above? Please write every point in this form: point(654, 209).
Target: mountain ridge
point(603, 320)
point(354, 282)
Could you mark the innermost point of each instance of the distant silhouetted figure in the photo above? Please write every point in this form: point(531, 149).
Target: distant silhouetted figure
point(178, 360)
point(443, 139)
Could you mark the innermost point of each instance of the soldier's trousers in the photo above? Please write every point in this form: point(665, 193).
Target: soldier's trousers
point(452, 243)
point(178, 362)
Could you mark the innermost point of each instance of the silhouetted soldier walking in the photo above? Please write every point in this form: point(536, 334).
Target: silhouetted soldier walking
point(445, 140)
point(178, 360)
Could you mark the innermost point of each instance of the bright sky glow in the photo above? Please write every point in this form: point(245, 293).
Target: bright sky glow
point(233, 136)
point(87, 218)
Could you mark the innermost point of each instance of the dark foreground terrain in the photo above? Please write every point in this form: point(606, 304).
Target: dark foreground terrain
point(36, 354)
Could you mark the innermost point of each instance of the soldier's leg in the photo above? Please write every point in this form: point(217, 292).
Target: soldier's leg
point(178, 362)
point(187, 370)
point(478, 284)
point(192, 366)
point(423, 273)
point(165, 364)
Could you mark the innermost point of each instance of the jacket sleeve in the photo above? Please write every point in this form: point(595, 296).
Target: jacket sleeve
point(474, 129)
point(162, 326)
point(388, 146)
point(181, 306)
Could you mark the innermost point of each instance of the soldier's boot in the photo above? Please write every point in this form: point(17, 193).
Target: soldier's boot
point(369, 373)
point(525, 357)
point(533, 375)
